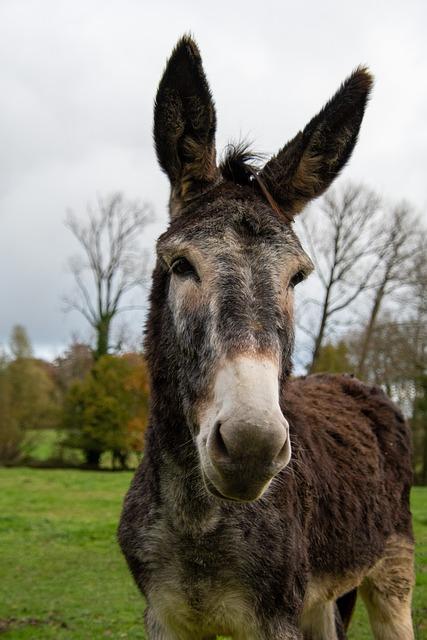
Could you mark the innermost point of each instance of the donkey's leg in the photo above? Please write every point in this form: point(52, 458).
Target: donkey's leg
point(340, 627)
point(271, 630)
point(387, 591)
point(320, 623)
point(157, 631)
point(288, 634)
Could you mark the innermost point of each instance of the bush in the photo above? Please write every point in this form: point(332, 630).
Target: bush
point(27, 403)
point(11, 436)
point(107, 410)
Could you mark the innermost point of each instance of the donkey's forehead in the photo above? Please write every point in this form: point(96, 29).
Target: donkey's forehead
point(227, 222)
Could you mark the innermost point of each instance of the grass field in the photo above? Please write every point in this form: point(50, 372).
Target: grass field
point(61, 572)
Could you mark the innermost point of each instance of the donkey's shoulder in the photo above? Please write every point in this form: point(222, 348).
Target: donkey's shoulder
point(341, 407)
point(325, 390)
point(352, 447)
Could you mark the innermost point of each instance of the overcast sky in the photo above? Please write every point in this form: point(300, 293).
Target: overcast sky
point(78, 79)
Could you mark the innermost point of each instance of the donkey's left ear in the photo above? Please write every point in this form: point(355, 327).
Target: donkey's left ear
point(307, 165)
point(184, 125)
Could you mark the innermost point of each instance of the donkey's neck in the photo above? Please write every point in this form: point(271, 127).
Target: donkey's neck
point(184, 499)
point(187, 504)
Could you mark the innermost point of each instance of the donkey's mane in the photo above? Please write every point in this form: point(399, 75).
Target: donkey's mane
point(241, 165)
point(240, 162)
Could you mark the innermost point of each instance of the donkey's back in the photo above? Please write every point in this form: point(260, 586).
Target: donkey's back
point(352, 464)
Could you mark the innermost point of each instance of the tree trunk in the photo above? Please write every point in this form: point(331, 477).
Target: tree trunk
point(102, 337)
point(368, 334)
point(420, 422)
point(371, 325)
point(93, 457)
point(322, 327)
point(424, 461)
point(119, 457)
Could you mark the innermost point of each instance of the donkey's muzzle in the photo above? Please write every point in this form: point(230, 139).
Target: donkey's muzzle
point(244, 456)
point(244, 437)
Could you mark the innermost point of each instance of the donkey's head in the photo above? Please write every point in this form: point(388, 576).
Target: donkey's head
point(227, 268)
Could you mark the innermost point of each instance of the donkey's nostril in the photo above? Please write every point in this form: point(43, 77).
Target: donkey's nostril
point(244, 445)
point(218, 447)
point(283, 455)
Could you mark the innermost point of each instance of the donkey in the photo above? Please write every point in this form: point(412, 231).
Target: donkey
point(262, 503)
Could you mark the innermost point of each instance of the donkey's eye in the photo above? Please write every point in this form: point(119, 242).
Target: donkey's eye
point(183, 267)
point(297, 278)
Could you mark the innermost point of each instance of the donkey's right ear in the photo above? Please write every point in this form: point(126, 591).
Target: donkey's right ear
point(307, 165)
point(184, 125)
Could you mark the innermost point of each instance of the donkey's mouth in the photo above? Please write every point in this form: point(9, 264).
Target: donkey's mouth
point(212, 489)
point(236, 493)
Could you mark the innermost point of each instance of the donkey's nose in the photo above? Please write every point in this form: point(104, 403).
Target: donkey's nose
point(251, 446)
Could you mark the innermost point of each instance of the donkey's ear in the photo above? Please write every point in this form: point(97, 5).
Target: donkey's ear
point(307, 165)
point(184, 125)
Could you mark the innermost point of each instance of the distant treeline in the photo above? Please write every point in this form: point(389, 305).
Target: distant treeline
point(94, 406)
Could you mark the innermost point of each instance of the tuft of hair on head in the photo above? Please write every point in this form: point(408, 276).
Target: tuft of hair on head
point(240, 163)
point(242, 166)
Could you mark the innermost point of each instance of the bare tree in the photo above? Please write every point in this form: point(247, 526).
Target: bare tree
point(419, 419)
point(396, 356)
point(397, 361)
point(109, 240)
point(343, 242)
point(399, 251)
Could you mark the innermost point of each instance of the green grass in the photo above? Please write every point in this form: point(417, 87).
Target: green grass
point(62, 575)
